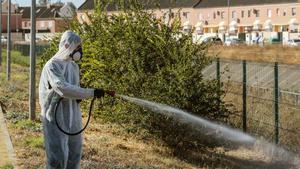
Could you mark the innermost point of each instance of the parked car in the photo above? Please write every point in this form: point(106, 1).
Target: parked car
point(3, 39)
point(293, 42)
point(233, 41)
point(212, 40)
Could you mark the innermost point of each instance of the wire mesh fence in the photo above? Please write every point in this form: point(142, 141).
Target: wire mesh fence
point(266, 97)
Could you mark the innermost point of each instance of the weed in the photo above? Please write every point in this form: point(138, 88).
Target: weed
point(34, 142)
point(7, 166)
point(28, 125)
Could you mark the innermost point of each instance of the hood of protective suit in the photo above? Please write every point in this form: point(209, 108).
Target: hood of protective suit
point(68, 43)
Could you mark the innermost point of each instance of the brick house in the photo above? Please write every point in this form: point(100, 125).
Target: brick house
point(49, 19)
point(16, 18)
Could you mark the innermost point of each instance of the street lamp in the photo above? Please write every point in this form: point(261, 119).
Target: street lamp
point(228, 6)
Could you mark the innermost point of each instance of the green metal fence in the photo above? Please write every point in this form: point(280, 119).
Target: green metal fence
point(266, 96)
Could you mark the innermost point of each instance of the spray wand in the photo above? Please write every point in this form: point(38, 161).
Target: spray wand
point(110, 93)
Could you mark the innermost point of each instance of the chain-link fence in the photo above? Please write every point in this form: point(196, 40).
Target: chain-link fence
point(266, 97)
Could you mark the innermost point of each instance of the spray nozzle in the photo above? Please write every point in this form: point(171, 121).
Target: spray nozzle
point(111, 93)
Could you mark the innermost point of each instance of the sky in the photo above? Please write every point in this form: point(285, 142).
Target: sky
point(77, 3)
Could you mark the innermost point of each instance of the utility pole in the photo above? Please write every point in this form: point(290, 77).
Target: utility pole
point(32, 62)
point(8, 41)
point(0, 34)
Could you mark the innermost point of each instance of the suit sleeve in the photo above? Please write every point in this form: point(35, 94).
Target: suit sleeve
point(65, 89)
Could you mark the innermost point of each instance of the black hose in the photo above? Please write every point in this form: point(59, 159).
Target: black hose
point(80, 131)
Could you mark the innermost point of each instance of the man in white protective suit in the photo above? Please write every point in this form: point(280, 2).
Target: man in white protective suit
point(60, 79)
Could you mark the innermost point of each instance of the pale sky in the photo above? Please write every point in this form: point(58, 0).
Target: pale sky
point(77, 3)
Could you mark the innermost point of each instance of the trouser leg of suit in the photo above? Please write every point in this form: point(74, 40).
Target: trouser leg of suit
point(75, 146)
point(75, 142)
point(56, 145)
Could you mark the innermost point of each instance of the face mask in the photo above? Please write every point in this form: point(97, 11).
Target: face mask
point(76, 55)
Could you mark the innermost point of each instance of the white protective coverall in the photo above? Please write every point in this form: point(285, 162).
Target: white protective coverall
point(60, 78)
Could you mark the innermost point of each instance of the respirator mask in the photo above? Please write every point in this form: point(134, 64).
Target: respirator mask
point(76, 55)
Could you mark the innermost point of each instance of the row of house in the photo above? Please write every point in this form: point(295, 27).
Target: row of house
point(49, 19)
point(246, 19)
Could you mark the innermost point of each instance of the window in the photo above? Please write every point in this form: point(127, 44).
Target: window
point(257, 12)
point(42, 24)
point(293, 11)
point(82, 17)
point(172, 15)
point(277, 12)
point(249, 13)
point(284, 13)
point(215, 15)
point(233, 14)
point(185, 14)
point(25, 24)
point(243, 14)
point(50, 24)
point(222, 14)
point(269, 13)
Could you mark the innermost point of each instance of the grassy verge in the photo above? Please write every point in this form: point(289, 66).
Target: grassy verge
point(269, 53)
point(109, 145)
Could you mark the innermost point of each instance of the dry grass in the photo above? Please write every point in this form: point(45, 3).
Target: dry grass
point(268, 53)
point(260, 114)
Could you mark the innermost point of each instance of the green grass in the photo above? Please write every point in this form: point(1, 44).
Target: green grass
point(34, 142)
point(7, 166)
point(27, 124)
point(16, 58)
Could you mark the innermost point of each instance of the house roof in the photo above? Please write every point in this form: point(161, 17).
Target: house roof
point(89, 4)
point(41, 12)
point(25, 11)
point(223, 3)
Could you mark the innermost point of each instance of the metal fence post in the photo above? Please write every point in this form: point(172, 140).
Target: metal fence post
point(218, 72)
point(244, 96)
point(276, 101)
point(8, 41)
point(32, 61)
point(218, 76)
point(0, 34)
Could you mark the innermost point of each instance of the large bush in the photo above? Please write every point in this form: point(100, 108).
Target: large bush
point(140, 56)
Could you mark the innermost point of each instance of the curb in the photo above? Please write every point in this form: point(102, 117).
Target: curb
point(10, 149)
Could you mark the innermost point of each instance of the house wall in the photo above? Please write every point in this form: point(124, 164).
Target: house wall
point(82, 16)
point(46, 25)
point(16, 22)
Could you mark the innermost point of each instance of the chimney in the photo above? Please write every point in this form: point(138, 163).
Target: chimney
point(48, 5)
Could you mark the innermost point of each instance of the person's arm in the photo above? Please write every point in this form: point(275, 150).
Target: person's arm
point(65, 89)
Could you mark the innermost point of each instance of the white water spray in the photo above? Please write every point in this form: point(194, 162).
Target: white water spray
point(218, 131)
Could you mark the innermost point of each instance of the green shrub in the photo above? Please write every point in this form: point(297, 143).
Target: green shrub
point(140, 56)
